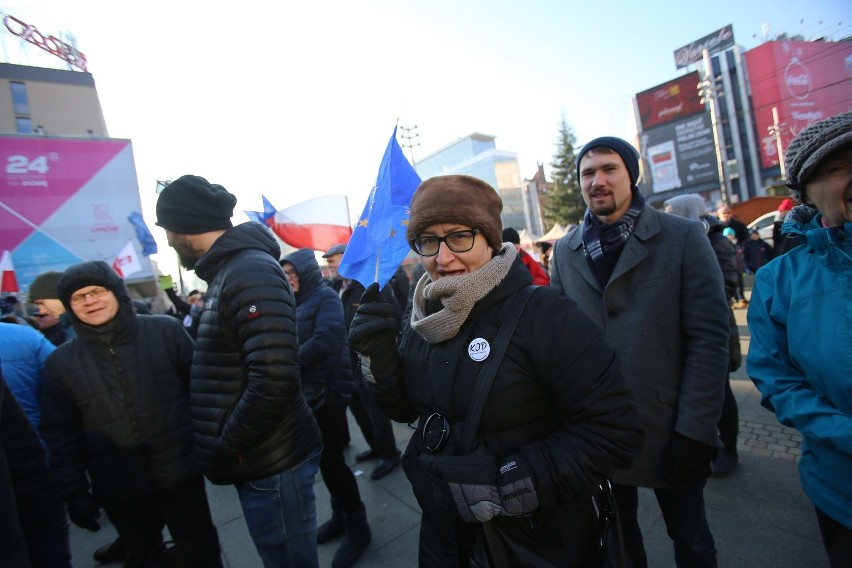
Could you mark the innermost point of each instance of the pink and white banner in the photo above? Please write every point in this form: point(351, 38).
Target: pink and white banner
point(66, 200)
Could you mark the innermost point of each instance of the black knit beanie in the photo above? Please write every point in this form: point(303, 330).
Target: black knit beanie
point(628, 154)
point(191, 205)
point(461, 199)
point(91, 273)
point(811, 146)
point(510, 235)
point(44, 286)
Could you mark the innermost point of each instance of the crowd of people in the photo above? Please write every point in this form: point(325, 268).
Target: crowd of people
point(543, 394)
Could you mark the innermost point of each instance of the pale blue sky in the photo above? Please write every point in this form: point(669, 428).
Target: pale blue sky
point(296, 100)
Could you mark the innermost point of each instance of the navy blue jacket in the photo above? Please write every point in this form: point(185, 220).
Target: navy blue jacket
point(324, 357)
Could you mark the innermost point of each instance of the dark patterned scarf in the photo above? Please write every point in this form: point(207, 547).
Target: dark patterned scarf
point(603, 243)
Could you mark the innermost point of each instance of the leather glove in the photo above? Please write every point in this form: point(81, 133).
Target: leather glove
point(84, 511)
point(690, 461)
point(373, 333)
point(517, 490)
point(472, 483)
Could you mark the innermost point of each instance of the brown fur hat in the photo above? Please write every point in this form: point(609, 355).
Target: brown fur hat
point(457, 199)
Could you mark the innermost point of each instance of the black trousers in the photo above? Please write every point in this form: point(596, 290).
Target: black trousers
point(337, 476)
point(374, 423)
point(729, 421)
point(184, 509)
point(837, 539)
point(686, 525)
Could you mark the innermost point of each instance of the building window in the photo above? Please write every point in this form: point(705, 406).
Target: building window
point(20, 99)
point(25, 125)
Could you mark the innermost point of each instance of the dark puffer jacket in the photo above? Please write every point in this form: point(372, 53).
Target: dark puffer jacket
point(249, 415)
point(558, 407)
point(115, 399)
point(323, 353)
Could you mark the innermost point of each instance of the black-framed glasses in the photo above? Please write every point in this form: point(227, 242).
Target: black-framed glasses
point(95, 294)
point(291, 273)
point(457, 241)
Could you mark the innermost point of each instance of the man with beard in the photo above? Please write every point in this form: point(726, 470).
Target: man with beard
point(253, 427)
point(652, 281)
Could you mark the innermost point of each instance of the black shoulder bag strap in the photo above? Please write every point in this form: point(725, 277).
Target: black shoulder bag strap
point(489, 369)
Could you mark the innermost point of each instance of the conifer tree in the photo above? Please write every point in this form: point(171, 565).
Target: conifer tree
point(564, 202)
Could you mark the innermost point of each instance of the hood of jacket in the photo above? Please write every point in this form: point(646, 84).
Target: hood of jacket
point(97, 273)
point(305, 263)
point(249, 235)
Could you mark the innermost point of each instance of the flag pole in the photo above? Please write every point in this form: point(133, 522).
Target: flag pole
point(378, 254)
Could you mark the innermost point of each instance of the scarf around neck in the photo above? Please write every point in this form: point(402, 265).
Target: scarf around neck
point(602, 243)
point(458, 295)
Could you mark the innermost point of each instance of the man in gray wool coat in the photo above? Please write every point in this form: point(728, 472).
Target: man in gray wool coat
point(651, 280)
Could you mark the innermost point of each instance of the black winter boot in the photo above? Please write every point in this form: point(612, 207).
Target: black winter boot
point(358, 536)
point(333, 527)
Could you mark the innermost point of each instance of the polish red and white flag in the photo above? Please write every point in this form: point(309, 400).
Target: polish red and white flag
point(9, 282)
point(127, 261)
point(317, 224)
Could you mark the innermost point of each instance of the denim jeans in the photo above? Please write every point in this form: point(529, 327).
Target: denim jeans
point(686, 524)
point(281, 515)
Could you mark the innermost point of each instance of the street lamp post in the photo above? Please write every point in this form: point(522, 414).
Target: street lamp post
point(709, 94)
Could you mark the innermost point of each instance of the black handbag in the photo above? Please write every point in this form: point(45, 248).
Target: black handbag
point(497, 549)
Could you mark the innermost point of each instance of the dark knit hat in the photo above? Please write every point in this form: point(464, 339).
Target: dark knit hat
point(91, 273)
point(457, 199)
point(510, 235)
point(628, 154)
point(191, 205)
point(811, 146)
point(44, 286)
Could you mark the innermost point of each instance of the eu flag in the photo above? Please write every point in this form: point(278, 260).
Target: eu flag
point(378, 246)
point(143, 234)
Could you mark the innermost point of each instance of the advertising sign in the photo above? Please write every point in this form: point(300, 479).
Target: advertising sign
point(681, 154)
point(64, 201)
point(720, 40)
point(670, 101)
point(805, 81)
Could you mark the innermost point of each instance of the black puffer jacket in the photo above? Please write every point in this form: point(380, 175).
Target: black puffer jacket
point(558, 407)
point(249, 415)
point(116, 404)
point(323, 352)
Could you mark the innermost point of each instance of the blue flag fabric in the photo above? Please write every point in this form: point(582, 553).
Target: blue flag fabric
point(378, 246)
point(262, 216)
point(143, 235)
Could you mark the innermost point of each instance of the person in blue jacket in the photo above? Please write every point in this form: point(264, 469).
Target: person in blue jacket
point(800, 312)
point(326, 378)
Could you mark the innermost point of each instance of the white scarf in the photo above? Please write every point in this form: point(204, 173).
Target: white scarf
point(458, 294)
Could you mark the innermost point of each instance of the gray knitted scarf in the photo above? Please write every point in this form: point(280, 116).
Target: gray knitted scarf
point(458, 294)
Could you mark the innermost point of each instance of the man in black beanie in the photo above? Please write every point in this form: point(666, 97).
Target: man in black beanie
point(253, 427)
point(629, 267)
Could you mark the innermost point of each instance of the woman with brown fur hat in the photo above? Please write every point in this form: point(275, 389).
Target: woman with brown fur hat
point(557, 420)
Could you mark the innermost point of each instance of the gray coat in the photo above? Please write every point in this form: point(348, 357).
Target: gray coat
point(665, 312)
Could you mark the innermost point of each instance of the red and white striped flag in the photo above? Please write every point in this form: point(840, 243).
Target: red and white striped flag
point(9, 283)
point(317, 224)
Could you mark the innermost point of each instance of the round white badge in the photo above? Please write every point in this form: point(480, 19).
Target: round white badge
point(478, 349)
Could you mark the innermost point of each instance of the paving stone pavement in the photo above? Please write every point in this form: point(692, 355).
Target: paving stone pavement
point(759, 515)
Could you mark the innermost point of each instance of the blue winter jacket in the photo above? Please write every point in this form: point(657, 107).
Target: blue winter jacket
point(23, 352)
point(800, 357)
point(324, 359)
